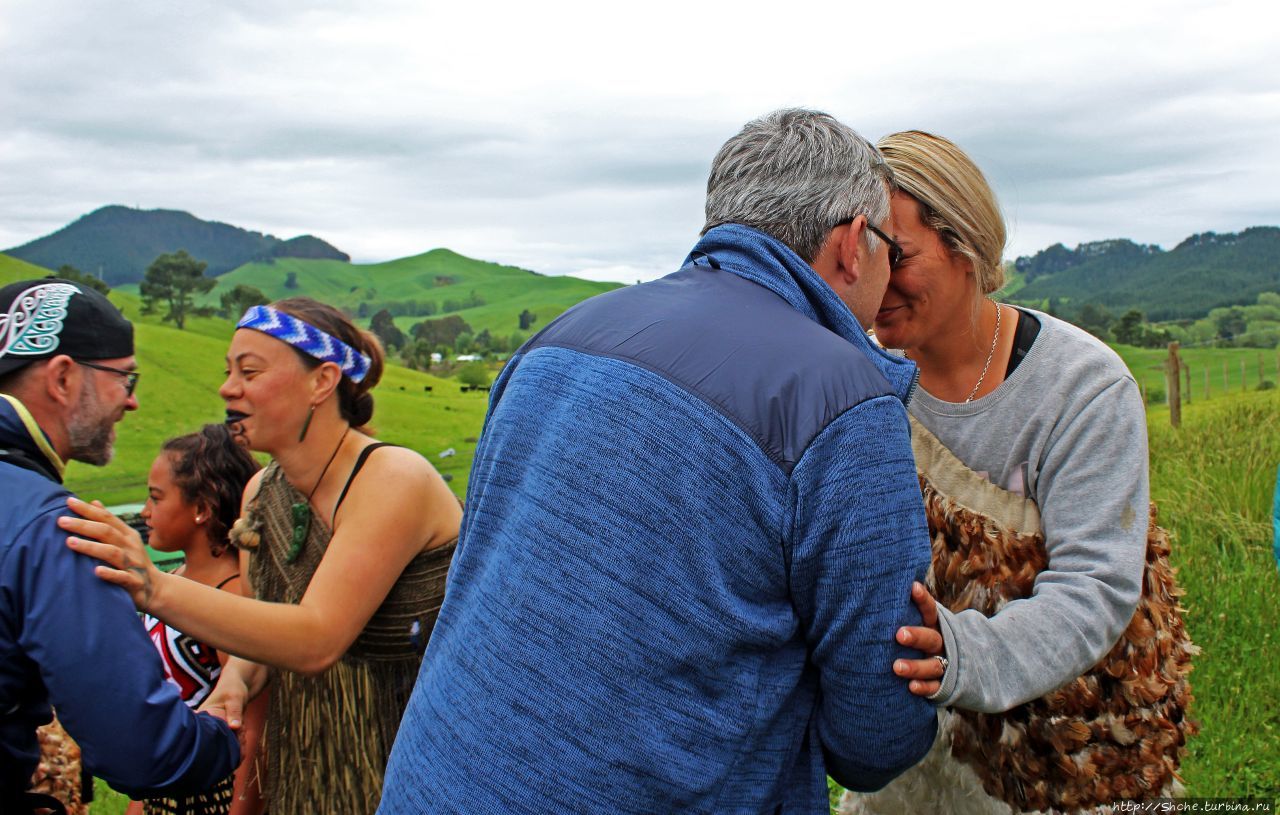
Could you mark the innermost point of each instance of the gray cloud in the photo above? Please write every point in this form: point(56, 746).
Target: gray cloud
point(527, 136)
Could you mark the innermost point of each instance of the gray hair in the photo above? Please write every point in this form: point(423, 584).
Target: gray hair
point(794, 174)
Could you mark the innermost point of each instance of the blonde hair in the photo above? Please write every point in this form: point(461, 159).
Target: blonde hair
point(954, 197)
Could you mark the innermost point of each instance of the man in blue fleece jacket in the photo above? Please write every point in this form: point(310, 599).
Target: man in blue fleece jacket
point(692, 526)
point(67, 374)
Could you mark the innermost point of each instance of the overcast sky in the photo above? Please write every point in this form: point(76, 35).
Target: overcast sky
point(576, 137)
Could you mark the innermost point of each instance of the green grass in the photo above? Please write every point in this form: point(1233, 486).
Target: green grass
point(1213, 480)
point(107, 801)
point(1229, 370)
point(13, 270)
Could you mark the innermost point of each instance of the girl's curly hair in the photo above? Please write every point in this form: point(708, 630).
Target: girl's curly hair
point(211, 469)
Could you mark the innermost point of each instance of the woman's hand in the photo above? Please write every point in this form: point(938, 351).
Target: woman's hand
point(104, 537)
point(227, 700)
point(925, 674)
point(239, 682)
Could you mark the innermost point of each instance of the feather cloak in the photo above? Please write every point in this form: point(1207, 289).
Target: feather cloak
point(1118, 732)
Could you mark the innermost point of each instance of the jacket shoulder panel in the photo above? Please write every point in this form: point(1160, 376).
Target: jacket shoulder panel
point(735, 345)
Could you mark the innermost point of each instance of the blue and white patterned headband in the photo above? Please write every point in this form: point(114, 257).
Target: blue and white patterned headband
point(306, 338)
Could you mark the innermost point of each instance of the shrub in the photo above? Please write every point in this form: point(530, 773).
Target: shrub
point(474, 374)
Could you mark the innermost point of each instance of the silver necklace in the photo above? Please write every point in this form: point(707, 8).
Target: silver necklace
point(994, 339)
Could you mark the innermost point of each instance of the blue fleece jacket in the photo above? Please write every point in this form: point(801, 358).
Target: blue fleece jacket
point(69, 639)
point(691, 528)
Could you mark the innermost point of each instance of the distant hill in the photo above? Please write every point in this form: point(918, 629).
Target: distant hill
point(427, 286)
point(1203, 272)
point(178, 391)
point(119, 243)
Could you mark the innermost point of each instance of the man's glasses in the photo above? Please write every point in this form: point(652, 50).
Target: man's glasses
point(895, 251)
point(130, 377)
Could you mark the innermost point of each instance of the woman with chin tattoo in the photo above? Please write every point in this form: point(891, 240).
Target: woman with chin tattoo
point(345, 543)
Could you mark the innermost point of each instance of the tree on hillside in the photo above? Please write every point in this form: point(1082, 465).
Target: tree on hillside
point(417, 355)
point(474, 374)
point(1129, 329)
point(384, 325)
point(1096, 320)
point(527, 318)
point(291, 280)
point(442, 332)
point(1231, 322)
point(172, 280)
point(68, 272)
point(242, 297)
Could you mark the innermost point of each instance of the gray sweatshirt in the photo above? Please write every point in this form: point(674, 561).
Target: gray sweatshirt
point(1068, 430)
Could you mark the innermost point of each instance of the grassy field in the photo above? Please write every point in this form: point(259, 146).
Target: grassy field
point(1214, 372)
point(1214, 480)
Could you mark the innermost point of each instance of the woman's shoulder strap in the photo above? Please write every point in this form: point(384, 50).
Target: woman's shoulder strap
point(235, 576)
point(364, 456)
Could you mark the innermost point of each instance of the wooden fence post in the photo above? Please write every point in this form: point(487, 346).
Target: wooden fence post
point(1186, 375)
point(1172, 369)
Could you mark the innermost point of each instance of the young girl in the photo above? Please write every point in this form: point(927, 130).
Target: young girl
point(193, 498)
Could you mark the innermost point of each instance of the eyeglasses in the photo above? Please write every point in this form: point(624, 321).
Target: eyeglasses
point(131, 377)
point(895, 251)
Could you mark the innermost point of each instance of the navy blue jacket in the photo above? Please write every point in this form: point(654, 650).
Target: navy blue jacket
point(691, 529)
point(69, 639)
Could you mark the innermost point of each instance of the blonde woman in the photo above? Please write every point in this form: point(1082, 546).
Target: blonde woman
point(1031, 442)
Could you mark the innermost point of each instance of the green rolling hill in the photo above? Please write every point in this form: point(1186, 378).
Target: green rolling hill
point(178, 391)
point(1203, 272)
point(430, 282)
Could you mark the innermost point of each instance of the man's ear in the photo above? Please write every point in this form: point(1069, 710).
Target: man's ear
point(59, 379)
point(851, 258)
point(837, 260)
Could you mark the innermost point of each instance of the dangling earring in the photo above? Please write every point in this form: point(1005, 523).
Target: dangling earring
point(307, 423)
